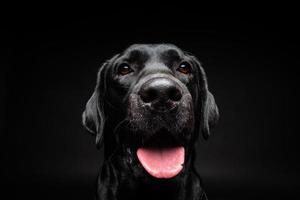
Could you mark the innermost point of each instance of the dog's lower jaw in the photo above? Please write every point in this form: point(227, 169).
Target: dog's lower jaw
point(121, 179)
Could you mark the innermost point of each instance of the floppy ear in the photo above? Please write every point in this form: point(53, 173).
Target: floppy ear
point(93, 117)
point(209, 113)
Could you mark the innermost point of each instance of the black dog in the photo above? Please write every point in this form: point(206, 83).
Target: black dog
point(148, 108)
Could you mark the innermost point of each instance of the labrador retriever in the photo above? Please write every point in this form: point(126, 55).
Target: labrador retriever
point(148, 108)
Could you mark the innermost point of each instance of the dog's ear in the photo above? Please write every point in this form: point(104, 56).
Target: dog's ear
point(210, 115)
point(93, 117)
point(207, 107)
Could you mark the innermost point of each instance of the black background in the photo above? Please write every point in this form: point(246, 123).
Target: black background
point(49, 72)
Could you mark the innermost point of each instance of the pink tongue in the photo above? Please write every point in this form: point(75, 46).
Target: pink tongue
point(162, 162)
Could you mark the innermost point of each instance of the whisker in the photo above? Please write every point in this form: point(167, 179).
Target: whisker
point(120, 125)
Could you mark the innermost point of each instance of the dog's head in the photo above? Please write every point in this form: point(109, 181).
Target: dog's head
point(149, 98)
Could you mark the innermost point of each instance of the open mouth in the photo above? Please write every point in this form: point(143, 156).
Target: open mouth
point(161, 157)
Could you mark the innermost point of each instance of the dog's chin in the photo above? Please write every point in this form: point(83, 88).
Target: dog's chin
point(162, 155)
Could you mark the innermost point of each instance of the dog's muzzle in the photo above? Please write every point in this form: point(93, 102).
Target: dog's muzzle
point(160, 109)
point(160, 101)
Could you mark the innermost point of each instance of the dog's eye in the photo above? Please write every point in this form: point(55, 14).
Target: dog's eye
point(124, 69)
point(184, 68)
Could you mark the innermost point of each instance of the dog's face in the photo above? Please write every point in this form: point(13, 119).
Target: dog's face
point(152, 99)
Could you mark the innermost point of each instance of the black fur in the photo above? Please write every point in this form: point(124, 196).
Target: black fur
point(120, 121)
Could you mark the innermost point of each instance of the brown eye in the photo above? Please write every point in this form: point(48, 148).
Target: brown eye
point(124, 69)
point(184, 68)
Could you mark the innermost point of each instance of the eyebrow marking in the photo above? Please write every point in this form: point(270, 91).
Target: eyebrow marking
point(170, 54)
point(137, 56)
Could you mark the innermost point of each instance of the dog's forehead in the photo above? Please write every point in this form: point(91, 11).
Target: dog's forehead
point(147, 52)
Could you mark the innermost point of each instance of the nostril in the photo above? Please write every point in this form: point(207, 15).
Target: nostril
point(174, 94)
point(148, 94)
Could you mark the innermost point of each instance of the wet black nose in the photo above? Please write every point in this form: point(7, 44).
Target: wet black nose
point(162, 93)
